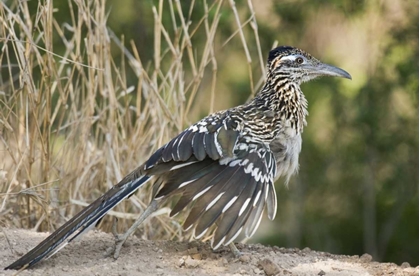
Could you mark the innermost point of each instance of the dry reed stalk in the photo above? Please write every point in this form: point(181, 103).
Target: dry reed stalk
point(72, 124)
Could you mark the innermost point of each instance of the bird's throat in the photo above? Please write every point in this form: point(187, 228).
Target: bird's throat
point(285, 99)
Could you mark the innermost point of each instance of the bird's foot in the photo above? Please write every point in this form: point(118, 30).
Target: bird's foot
point(120, 239)
point(235, 250)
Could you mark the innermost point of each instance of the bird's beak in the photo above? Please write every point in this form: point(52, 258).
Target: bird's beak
point(329, 70)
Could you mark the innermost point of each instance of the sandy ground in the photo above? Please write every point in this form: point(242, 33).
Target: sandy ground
point(139, 257)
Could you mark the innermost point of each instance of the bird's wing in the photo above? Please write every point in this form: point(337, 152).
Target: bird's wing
point(225, 175)
point(213, 137)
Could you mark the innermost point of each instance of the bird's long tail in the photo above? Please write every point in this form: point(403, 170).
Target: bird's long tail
point(80, 223)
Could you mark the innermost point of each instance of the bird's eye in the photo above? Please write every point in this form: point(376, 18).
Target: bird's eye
point(299, 60)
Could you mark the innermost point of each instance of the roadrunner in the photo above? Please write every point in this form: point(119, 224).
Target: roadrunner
point(223, 167)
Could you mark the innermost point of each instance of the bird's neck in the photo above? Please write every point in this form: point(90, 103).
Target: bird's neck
point(285, 98)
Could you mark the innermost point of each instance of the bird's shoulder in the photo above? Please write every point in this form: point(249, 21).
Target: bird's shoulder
point(219, 135)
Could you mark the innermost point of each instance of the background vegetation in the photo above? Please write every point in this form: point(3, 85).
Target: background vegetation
point(88, 89)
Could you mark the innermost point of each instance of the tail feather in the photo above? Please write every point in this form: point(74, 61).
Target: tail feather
point(80, 223)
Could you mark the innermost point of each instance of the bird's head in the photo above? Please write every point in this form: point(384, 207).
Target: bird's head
point(299, 66)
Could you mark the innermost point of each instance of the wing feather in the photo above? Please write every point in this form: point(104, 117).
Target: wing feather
point(225, 185)
point(174, 179)
point(231, 214)
point(195, 188)
point(256, 212)
point(211, 147)
point(245, 202)
point(198, 146)
point(185, 148)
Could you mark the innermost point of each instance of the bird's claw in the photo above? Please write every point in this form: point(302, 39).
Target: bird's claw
point(235, 250)
point(118, 245)
point(120, 239)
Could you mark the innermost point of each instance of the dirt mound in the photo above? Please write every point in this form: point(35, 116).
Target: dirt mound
point(139, 257)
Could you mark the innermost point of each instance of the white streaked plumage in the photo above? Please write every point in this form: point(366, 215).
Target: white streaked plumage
point(214, 201)
point(201, 193)
point(244, 206)
point(229, 204)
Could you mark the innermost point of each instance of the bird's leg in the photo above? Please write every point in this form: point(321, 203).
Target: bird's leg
point(235, 250)
point(120, 239)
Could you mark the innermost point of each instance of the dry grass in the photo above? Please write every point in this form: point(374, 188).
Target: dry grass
point(72, 124)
